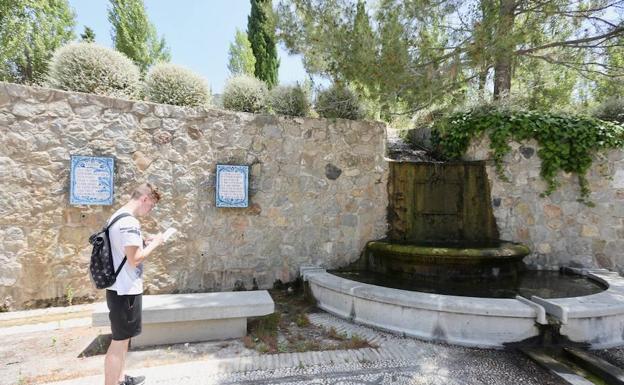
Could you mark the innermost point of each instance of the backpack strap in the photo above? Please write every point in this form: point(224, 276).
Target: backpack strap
point(118, 217)
point(120, 266)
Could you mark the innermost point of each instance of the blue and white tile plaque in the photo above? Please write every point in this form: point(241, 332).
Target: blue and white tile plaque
point(232, 186)
point(91, 180)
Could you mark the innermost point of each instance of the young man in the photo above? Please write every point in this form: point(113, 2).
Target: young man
point(124, 296)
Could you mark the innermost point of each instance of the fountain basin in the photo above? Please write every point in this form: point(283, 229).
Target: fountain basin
point(597, 319)
point(448, 261)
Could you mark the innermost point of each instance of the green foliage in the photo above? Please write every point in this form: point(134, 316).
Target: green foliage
point(261, 33)
point(88, 36)
point(392, 67)
point(611, 109)
point(241, 57)
point(408, 55)
point(134, 35)
point(289, 100)
point(567, 142)
point(30, 31)
point(302, 320)
point(339, 102)
point(172, 84)
point(245, 93)
point(612, 85)
point(538, 87)
point(69, 294)
point(87, 67)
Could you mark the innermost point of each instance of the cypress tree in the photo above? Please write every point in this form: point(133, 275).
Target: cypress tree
point(261, 34)
point(241, 57)
point(134, 35)
point(88, 35)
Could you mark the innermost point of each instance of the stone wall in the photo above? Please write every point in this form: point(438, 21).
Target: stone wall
point(317, 192)
point(559, 230)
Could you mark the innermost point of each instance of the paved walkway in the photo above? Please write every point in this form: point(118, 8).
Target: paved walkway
point(396, 360)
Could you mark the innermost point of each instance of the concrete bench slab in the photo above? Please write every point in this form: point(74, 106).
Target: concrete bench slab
point(179, 318)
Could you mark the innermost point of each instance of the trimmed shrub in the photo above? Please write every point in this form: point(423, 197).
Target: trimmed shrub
point(611, 109)
point(88, 67)
point(339, 102)
point(245, 93)
point(289, 100)
point(173, 84)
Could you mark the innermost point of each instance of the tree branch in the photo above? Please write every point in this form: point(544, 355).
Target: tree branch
point(581, 12)
point(573, 43)
point(579, 67)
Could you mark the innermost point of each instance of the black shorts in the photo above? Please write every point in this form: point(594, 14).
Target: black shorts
point(124, 314)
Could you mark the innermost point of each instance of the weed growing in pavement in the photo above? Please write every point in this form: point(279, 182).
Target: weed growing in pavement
point(292, 325)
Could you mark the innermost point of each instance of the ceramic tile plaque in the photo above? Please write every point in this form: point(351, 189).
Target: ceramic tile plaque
point(232, 186)
point(91, 180)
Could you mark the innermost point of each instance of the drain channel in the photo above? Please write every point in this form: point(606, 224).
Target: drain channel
point(575, 366)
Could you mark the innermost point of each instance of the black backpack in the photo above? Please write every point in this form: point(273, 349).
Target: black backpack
point(102, 270)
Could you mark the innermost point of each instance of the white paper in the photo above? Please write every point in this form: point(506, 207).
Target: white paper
point(170, 231)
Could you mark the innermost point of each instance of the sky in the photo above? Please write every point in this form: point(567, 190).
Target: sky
point(198, 33)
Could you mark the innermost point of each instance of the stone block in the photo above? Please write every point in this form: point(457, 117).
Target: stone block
point(27, 110)
point(141, 108)
point(589, 231)
point(552, 211)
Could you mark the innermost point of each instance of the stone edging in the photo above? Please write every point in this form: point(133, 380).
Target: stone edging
point(597, 319)
point(467, 321)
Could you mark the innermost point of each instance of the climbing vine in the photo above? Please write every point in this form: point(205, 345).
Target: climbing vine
point(567, 142)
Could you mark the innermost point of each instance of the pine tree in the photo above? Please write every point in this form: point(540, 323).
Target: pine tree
point(30, 32)
point(134, 35)
point(261, 33)
point(439, 53)
point(611, 84)
point(88, 35)
point(241, 57)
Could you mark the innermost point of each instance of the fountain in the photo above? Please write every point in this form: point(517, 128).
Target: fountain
point(442, 227)
point(442, 273)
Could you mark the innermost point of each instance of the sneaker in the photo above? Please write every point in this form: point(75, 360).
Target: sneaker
point(129, 380)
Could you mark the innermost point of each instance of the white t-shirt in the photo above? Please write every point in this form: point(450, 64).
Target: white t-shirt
point(126, 232)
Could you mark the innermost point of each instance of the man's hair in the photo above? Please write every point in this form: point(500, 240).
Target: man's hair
point(146, 189)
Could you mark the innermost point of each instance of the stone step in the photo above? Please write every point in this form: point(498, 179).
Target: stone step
point(558, 368)
point(605, 370)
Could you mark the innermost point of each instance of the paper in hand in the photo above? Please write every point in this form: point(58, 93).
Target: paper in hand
point(170, 231)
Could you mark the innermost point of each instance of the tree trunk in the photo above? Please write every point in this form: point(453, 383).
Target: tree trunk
point(504, 49)
point(482, 82)
point(502, 77)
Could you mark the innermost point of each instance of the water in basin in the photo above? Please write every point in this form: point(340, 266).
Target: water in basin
point(545, 284)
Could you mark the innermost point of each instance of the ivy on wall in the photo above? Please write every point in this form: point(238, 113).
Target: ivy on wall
point(567, 142)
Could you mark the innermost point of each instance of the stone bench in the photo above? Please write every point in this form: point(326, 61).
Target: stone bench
point(179, 318)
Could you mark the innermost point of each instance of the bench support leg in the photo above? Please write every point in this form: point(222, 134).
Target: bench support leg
point(190, 331)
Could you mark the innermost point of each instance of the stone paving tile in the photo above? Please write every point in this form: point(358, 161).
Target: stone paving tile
point(397, 360)
point(381, 368)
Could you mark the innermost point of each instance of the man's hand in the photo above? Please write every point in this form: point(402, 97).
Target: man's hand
point(152, 238)
point(136, 256)
point(157, 239)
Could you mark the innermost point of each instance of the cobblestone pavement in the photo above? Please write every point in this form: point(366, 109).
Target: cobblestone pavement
point(396, 360)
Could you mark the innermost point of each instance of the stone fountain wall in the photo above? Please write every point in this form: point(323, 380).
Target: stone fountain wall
point(317, 192)
point(440, 202)
point(560, 230)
